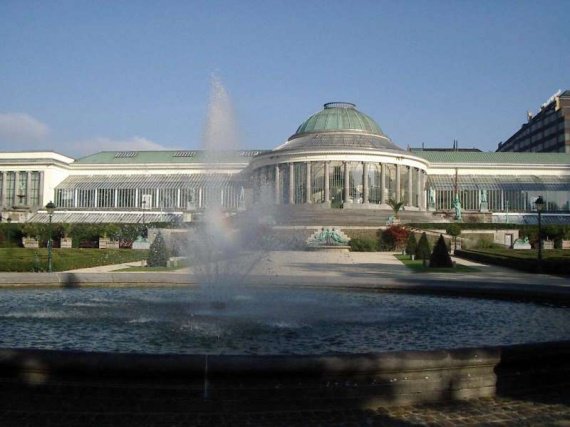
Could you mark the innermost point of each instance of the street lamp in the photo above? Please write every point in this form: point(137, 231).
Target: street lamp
point(50, 208)
point(539, 203)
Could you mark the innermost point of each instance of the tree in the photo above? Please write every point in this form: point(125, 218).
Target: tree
point(453, 230)
point(411, 245)
point(158, 253)
point(423, 250)
point(396, 206)
point(440, 256)
point(393, 238)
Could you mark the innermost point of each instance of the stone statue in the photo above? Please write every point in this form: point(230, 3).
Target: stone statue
point(328, 237)
point(483, 205)
point(431, 198)
point(335, 238)
point(457, 207)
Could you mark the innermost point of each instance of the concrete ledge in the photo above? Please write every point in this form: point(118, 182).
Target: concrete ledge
point(294, 382)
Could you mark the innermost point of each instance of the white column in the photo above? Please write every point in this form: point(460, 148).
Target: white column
point(365, 183)
point(422, 190)
point(16, 188)
point(309, 186)
point(419, 189)
point(116, 203)
point(346, 182)
point(41, 189)
point(277, 186)
point(383, 184)
point(410, 202)
point(291, 183)
point(4, 187)
point(178, 198)
point(28, 189)
point(96, 198)
point(327, 183)
point(398, 184)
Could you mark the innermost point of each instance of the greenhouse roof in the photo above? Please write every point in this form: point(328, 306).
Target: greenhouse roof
point(169, 156)
point(482, 157)
point(169, 181)
point(500, 182)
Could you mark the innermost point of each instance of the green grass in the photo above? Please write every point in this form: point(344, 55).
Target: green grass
point(525, 254)
point(555, 261)
point(22, 260)
point(418, 267)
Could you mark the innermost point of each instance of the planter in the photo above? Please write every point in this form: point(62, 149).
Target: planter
point(30, 243)
point(66, 243)
point(108, 244)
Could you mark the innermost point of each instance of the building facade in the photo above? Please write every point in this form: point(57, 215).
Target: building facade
point(546, 132)
point(338, 158)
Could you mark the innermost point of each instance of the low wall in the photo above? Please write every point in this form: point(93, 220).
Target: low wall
point(309, 382)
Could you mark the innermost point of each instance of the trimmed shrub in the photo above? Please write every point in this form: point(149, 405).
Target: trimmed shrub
point(363, 244)
point(440, 256)
point(423, 251)
point(158, 253)
point(412, 244)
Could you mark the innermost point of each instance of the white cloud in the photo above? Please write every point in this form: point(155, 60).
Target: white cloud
point(135, 143)
point(21, 128)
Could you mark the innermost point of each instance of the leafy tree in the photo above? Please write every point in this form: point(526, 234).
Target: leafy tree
point(423, 251)
point(158, 253)
point(411, 245)
point(454, 230)
point(393, 238)
point(440, 256)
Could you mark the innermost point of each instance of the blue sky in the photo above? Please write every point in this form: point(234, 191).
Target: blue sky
point(82, 76)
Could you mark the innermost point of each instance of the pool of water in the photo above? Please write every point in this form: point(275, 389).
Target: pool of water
point(264, 321)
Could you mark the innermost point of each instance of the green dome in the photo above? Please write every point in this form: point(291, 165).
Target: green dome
point(339, 116)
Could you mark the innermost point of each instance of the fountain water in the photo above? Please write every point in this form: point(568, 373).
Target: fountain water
point(216, 248)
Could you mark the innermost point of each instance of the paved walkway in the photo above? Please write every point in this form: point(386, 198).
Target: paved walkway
point(67, 404)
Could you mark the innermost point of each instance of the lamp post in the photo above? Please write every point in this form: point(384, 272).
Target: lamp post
point(144, 226)
point(50, 208)
point(539, 203)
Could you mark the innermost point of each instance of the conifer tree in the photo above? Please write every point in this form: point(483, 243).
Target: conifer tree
point(440, 256)
point(423, 250)
point(158, 253)
point(411, 245)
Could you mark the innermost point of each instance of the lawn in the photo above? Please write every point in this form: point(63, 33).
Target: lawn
point(418, 266)
point(21, 259)
point(555, 261)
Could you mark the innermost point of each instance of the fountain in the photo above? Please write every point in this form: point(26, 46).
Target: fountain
point(238, 344)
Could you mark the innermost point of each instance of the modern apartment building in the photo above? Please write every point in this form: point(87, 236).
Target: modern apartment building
point(548, 131)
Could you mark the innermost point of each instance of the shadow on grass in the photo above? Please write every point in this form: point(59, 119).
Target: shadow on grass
point(419, 267)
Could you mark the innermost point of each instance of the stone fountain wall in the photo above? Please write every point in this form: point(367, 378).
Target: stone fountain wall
point(304, 382)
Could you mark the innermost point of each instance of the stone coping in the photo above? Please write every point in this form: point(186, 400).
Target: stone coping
point(286, 382)
point(464, 285)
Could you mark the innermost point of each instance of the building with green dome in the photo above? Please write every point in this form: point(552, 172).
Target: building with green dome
point(338, 158)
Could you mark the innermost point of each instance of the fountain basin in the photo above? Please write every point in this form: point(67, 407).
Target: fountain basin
point(321, 370)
